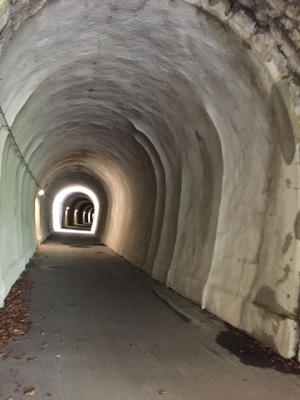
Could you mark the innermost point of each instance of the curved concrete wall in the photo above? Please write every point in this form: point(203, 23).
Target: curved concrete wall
point(182, 133)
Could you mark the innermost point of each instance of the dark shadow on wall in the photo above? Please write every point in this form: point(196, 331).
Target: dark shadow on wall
point(282, 126)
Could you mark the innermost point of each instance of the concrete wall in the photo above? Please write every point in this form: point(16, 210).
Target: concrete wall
point(182, 119)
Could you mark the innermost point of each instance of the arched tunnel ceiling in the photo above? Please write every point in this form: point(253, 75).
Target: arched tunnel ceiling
point(92, 84)
point(176, 125)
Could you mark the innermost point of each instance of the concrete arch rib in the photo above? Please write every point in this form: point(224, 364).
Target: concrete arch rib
point(174, 119)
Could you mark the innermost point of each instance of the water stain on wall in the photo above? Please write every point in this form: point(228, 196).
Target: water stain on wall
point(287, 243)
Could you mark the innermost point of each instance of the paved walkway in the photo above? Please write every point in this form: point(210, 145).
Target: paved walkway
point(102, 330)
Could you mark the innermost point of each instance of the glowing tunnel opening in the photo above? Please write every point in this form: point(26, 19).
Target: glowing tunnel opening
point(59, 207)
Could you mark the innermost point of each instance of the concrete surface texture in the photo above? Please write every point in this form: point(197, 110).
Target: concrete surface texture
point(100, 329)
point(184, 134)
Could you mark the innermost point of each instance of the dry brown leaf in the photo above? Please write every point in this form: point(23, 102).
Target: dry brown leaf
point(18, 356)
point(162, 391)
point(13, 313)
point(30, 391)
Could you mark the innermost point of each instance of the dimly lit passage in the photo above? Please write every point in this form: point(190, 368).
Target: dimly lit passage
point(79, 213)
point(103, 329)
point(75, 208)
point(168, 130)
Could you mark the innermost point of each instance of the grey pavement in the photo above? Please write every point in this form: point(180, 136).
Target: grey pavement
point(101, 329)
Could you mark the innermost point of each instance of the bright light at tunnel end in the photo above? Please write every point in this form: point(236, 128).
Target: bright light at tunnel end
point(58, 206)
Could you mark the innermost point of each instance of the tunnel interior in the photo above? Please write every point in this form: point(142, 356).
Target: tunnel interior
point(79, 212)
point(75, 208)
point(180, 133)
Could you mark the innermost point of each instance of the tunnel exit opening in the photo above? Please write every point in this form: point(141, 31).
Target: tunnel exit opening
point(75, 209)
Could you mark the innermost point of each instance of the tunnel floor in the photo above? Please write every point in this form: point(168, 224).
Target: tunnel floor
point(102, 329)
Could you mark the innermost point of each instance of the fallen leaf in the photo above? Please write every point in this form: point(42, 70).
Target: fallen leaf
point(42, 333)
point(18, 356)
point(31, 359)
point(162, 391)
point(13, 313)
point(46, 344)
point(29, 392)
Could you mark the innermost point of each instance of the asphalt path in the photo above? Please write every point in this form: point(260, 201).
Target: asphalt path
point(101, 329)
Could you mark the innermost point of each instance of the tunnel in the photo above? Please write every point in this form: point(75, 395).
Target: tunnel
point(75, 207)
point(182, 120)
point(78, 212)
